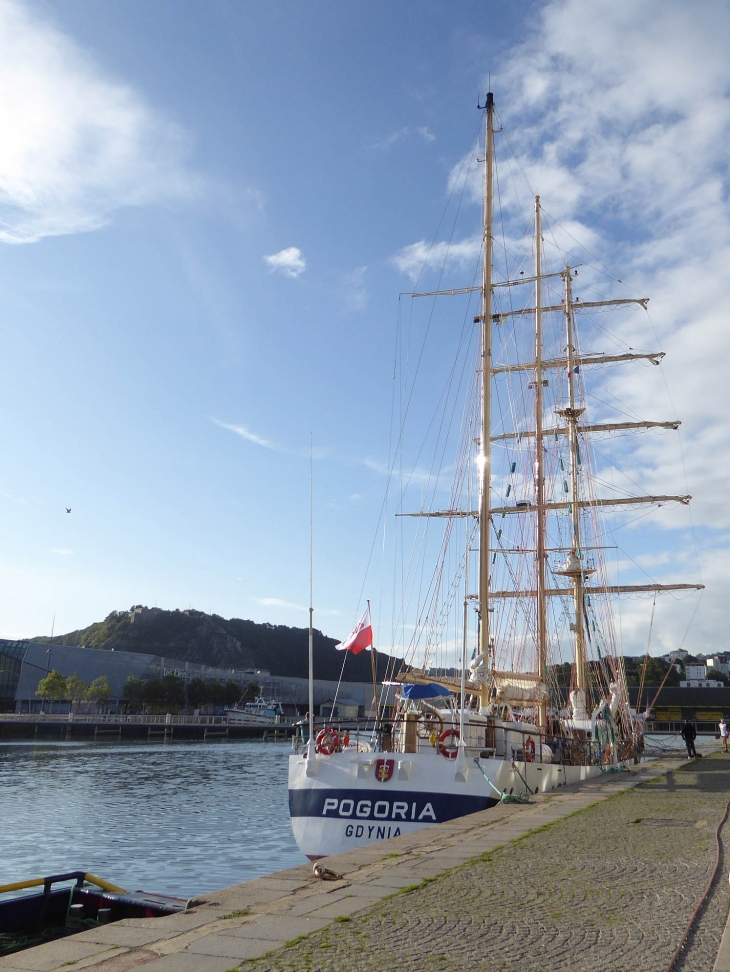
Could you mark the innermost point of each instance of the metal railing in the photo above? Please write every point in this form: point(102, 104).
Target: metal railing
point(116, 719)
point(499, 742)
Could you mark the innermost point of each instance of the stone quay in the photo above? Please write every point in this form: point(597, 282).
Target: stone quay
point(605, 876)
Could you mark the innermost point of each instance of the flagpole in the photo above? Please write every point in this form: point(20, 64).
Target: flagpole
point(310, 744)
point(373, 659)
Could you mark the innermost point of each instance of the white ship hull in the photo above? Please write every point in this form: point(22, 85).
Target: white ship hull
point(341, 804)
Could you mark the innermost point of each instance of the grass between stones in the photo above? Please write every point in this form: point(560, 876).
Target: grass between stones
point(588, 885)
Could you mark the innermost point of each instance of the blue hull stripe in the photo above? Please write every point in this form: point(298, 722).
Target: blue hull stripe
point(392, 805)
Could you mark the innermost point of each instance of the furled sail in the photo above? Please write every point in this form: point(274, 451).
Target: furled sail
point(518, 687)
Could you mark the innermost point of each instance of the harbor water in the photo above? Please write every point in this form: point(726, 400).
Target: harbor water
point(176, 818)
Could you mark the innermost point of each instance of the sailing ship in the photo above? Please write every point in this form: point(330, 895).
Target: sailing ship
point(524, 538)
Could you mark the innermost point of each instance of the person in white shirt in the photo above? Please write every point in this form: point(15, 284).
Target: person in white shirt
point(723, 733)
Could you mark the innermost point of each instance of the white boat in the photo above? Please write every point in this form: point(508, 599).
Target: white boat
point(523, 536)
point(260, 712)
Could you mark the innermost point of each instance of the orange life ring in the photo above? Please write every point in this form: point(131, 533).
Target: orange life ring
point(346, 739)
point(449, 751)
point(530, 750)
point(326, 741)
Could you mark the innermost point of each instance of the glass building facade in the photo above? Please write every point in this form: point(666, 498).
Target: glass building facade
point(12, 654)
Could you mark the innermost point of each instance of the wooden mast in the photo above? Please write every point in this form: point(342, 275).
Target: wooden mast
point(572, 413)
point(485, 441)
point(539, 471)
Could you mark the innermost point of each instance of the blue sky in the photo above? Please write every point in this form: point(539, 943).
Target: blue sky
point(161, 376)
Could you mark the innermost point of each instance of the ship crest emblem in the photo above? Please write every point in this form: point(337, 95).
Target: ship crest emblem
point(384, 769)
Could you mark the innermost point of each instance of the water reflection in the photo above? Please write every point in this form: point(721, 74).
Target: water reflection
point(178, 818)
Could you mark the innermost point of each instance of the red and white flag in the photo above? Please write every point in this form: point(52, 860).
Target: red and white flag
point(361, 637)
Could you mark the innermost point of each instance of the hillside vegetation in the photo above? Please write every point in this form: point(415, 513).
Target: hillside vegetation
point(211, 640)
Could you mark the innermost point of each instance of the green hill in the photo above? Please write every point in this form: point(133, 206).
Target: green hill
point(211, 640)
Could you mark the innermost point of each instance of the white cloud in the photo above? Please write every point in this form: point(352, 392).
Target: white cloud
point(417, 257)
point(289, 261)
point(61, 551)
point(620, 114)
point(422, 131)
point(76, 145)
point(278, 602)
point(622, 117)
point(246, 434)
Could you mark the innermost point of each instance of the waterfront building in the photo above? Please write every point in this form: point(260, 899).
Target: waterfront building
point(703, 706)
point(24, 663)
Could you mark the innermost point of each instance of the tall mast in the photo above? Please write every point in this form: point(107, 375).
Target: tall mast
point(485, 499)
point(539, 471)
point(310, 745)
point(572, 413)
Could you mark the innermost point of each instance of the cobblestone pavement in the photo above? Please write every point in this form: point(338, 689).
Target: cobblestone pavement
point(609, 889)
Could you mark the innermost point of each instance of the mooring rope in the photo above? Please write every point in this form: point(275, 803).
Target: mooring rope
point(503, 797)
point(695, 914)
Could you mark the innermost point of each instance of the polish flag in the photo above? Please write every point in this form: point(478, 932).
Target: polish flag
point(361, 637)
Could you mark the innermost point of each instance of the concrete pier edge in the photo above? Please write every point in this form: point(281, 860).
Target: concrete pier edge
point(249, 920)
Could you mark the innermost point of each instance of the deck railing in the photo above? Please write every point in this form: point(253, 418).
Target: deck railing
point(386, 738)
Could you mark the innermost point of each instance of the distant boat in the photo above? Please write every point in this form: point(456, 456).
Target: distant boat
point(257, 713)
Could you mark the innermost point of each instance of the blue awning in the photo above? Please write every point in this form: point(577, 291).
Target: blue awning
point(423, 691)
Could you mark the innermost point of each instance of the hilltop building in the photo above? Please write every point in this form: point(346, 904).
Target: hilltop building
point(696, 677)
point(719, 663)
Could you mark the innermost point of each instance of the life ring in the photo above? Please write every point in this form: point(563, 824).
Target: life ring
point(529, 750)
point(326, 741)
point(450, 749)
point(346, 739)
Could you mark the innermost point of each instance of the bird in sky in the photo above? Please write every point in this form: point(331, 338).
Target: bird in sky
point(68, 509)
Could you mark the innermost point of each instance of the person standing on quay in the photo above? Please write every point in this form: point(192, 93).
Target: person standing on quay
point(723, 733)
point(689, 734)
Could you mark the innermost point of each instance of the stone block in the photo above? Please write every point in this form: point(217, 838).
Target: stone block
point(51, 955)
point(223, 946)
point(185, 962)
point(121, 934)
point(345, 907)
point(278, 927)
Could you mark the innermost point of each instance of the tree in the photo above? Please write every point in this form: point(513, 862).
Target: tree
point(100, 690)
point(134, 689)
point(231, 692)
point(76, 689)
point(199, 693)
point(153, 693)
point(253, 690)
point(53, 686)
point(173, 689)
